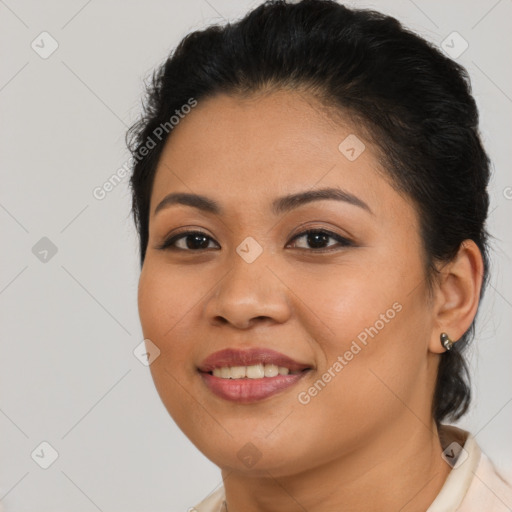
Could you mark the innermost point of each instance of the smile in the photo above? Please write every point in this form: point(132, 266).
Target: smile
point(251, 375)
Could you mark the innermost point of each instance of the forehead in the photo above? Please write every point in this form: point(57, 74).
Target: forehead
point(264, 146)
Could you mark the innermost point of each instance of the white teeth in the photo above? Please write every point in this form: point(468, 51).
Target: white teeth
point(256, 371)
point(238, 372)
point(271, 370)
point(225, 372)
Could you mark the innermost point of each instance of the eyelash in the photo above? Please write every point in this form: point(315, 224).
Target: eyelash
point(343, 242)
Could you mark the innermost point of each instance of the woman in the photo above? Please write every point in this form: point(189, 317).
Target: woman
point(313, 253)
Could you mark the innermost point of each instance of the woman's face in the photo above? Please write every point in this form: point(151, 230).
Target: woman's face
point(347, 303)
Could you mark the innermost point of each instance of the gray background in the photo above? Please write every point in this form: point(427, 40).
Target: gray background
point(69, 324)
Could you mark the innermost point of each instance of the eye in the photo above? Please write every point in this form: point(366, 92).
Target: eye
point(314, 239)
point(191, 241)
point(318, 240)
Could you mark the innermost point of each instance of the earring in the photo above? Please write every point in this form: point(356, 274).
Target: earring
point(446, 341)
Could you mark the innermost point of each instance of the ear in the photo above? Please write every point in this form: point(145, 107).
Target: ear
point(457, 294)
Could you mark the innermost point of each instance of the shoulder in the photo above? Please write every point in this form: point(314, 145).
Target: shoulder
point(212, 503)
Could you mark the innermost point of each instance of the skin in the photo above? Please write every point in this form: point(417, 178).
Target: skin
point(367, 440)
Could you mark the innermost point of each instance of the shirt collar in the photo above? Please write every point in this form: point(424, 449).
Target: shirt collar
point(461, 451)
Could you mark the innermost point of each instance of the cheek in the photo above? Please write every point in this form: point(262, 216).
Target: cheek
point(166, 296)
point(371, 324)
point(340, 301)
point(166, 301)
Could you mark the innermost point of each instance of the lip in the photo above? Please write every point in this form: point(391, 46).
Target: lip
point(245, 391)
point(249, 357)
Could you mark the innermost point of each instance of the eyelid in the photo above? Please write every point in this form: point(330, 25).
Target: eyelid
point(343, 241)
point(333, 231)
point(167, 242)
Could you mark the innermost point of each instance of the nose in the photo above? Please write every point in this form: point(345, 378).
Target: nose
point(249, 293)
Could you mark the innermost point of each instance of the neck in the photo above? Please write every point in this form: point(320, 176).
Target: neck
point(401, 469)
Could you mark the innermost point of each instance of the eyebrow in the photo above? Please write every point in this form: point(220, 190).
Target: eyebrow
point(279, 206)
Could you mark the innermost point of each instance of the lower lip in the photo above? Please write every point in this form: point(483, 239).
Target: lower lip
point(246, 390)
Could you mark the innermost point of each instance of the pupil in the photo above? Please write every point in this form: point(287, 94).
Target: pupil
point(317, 239)
point(197, 242)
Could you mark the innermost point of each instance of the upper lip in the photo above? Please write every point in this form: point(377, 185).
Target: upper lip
point(249, 357)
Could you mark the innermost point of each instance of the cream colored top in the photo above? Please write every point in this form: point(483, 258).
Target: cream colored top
point(473, 484)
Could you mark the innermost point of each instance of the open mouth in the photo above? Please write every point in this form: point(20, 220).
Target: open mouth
point(251, 374)
point(256, 371)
